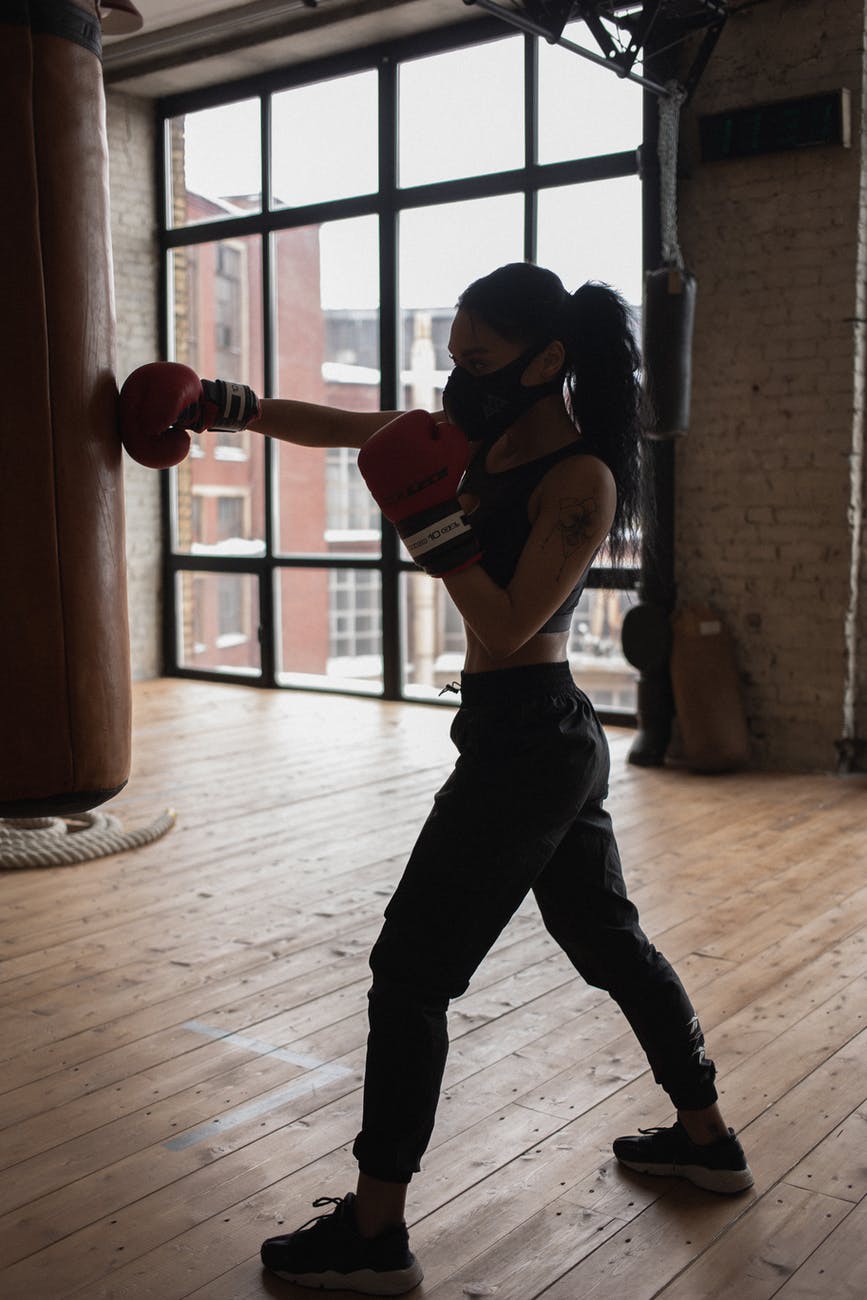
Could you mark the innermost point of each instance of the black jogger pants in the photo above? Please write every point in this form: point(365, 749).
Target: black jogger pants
point(522, 810)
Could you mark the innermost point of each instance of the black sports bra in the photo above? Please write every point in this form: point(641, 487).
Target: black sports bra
point(502, 523)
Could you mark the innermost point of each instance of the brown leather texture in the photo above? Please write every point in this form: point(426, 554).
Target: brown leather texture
point(64, 648)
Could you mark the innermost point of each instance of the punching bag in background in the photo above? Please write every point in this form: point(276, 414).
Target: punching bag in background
point(707, 692)
point(64, 647)
point(668, 317)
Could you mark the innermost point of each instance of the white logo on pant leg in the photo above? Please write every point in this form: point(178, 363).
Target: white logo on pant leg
point(697, 1038)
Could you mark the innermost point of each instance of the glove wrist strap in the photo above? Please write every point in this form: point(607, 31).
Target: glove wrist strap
point(228, 407)
point(440, 540)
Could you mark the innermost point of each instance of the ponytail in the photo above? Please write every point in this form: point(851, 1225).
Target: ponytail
point(604, 386)
point(527, 304)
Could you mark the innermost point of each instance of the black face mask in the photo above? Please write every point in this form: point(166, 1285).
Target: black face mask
point(484, 406)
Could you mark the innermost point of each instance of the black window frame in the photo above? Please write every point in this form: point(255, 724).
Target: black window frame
point(387, 204)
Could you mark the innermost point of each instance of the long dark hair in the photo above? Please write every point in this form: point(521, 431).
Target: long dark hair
point(526, 304)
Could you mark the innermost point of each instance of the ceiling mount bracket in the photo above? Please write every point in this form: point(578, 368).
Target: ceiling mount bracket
point(621, 30)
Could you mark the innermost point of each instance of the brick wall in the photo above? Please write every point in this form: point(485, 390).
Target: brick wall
point(763, 478)
point(131, 149)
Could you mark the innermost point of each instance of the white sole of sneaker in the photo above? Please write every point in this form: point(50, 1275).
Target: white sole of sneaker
point(364, 1281)
point(727, 1181)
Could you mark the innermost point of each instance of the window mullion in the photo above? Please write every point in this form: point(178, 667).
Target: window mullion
point(531, 143)
point(389, 361)
point(269, 624)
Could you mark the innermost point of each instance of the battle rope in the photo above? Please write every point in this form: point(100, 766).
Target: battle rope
point(62, 841)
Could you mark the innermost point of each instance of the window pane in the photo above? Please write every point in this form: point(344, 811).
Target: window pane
point(330, 623)
point(584, 110)
point(462, 113)
point(593, 232)
point(434, 639)
point(442, 250)
point(328, 352)
point(218, 490)
point(218, 622)
point(325, 141)
point(595, 651)
point(214, 160)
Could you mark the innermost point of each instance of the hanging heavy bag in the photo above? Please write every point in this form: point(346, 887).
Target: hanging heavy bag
point(668, 317)
point(64, 651)
point(707, 692)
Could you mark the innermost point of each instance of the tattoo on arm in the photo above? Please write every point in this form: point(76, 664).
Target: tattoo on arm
point(576, 525)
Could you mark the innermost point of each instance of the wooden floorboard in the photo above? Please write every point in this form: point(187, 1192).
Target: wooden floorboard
point(183, 1028)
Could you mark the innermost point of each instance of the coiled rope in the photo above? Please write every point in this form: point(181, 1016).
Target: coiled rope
point(63, 841)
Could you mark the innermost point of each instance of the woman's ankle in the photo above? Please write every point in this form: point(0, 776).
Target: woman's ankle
point(703, 1127)
point(378, 1205)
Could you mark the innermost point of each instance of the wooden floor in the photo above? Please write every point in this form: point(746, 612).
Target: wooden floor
point(183, 1028)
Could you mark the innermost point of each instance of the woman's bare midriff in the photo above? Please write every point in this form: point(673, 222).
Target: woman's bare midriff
point(543, 648)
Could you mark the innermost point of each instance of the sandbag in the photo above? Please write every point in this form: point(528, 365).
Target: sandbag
point(64, 651)
point(707, 693)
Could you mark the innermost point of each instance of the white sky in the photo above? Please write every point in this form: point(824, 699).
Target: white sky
point(461, 114)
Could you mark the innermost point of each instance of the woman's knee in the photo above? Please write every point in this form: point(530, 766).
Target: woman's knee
point(423, 963)
point(404, 977)
point(606, 960)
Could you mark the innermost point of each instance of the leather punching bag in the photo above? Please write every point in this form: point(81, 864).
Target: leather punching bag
point(64, 648)
point(668, 317)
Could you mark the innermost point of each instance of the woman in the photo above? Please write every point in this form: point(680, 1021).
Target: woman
point(549, 480)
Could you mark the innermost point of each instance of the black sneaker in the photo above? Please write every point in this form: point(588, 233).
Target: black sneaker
point(720, 1167)
point(333, 1256)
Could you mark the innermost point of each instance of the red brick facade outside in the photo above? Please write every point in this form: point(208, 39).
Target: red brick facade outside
point(220, 284)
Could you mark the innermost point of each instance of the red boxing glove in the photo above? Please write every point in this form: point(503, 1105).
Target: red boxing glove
point(413, 467)
point(161, 401)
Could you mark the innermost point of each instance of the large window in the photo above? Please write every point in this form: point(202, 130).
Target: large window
point(319, 225)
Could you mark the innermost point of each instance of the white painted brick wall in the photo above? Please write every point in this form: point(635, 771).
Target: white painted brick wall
point(763, 477)
point(133, 226)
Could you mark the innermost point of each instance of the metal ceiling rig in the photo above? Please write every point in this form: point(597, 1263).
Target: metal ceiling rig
point(622, 31)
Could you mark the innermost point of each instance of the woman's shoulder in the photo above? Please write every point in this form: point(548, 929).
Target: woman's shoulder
point(580, 469)
point(583, 478)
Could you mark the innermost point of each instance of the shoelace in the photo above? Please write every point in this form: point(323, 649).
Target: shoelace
point(336, 1201)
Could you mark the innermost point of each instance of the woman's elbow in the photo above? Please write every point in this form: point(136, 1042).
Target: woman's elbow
point(501, 642)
